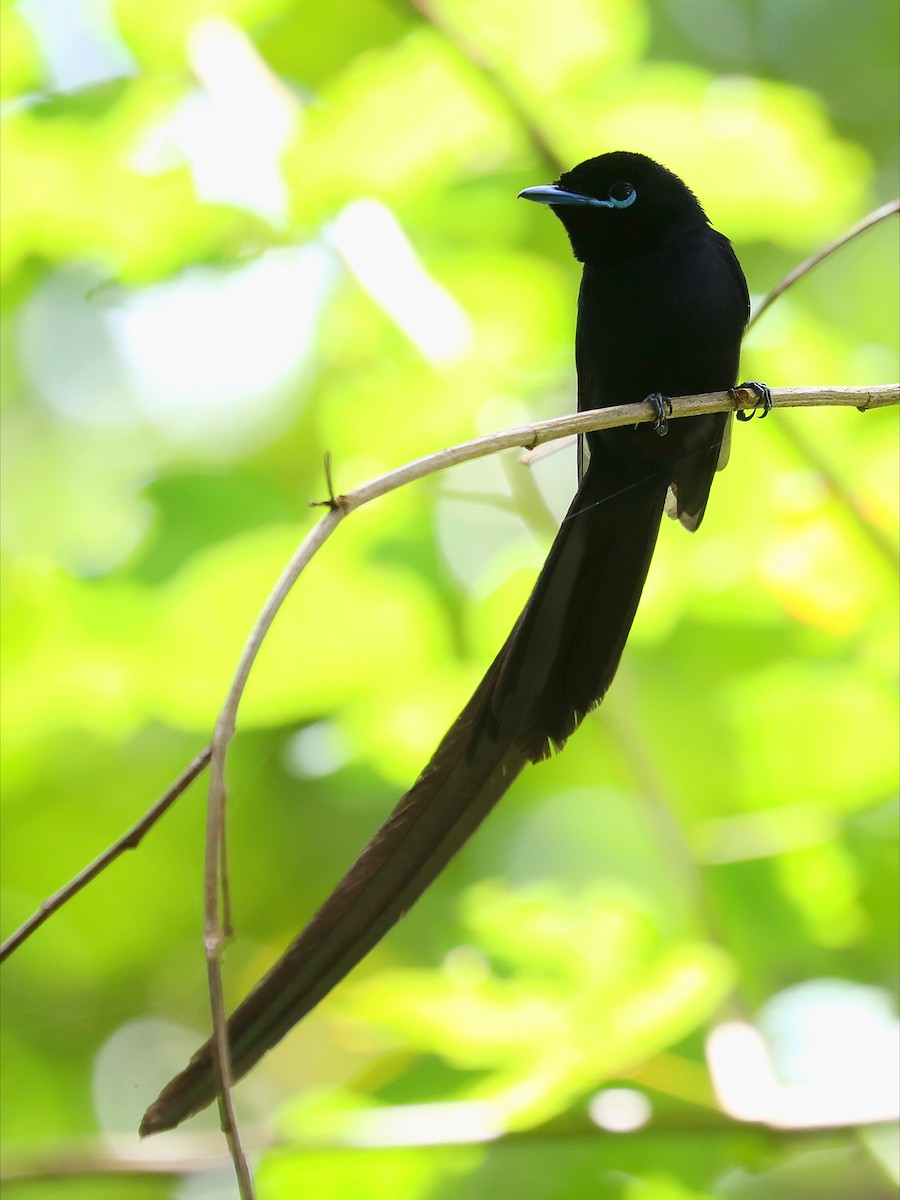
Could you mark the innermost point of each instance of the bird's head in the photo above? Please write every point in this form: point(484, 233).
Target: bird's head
point(618, 205)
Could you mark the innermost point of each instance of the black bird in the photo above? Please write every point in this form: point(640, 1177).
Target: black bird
point(661, 311)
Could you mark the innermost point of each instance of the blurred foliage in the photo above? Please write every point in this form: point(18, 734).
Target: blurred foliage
point(239, 234)
point(583, 989)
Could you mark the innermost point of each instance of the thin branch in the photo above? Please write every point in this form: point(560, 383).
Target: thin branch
point(801, 445)
point(878, 214)
point(530, 436)
point(216, 877)
point(215, 869)
point(338, 508)
point(527, 436)
point(128, 841)
point(227, 1118)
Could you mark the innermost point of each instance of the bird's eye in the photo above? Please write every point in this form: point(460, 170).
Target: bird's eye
point(622, 194)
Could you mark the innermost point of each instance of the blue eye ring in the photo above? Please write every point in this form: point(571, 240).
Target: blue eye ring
point(626, 197)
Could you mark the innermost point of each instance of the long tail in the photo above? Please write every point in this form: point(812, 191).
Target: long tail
point(554, 667)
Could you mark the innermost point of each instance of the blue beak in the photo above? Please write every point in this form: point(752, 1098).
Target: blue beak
point(549, 193)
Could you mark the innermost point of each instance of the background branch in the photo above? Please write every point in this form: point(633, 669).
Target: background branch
point(128, 841)
point(873, 218)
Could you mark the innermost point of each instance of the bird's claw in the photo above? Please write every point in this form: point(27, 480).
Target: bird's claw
point(764, 401)
point(662, 407)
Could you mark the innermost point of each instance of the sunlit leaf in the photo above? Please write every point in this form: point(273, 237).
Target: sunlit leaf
point(21, 69)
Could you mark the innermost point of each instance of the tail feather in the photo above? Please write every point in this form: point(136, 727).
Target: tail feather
point(429, 824)
point(563, 653)
point(555, 666)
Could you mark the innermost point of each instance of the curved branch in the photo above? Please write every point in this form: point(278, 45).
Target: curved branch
point(215, 868)
point(878, 214)
point(528, 436)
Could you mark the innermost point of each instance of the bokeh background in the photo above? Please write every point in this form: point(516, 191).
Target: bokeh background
point(239, 235)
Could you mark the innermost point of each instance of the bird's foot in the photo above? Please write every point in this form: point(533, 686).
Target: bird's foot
point(662, 407)
point(764, 401)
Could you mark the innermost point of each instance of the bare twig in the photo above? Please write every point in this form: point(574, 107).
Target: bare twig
point(331, 502)
point(878, 214)
point(527, 435)
point(215, 870)
point(800, 444)
point(128, 841)
point(227, 1118)
point(338, 507)
point(530, 436)
point(216, 878)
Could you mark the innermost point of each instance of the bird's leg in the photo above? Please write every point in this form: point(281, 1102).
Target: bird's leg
point(662, 406)
point(764, 401)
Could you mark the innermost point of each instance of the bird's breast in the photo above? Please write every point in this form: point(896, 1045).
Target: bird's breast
point(669, 322)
